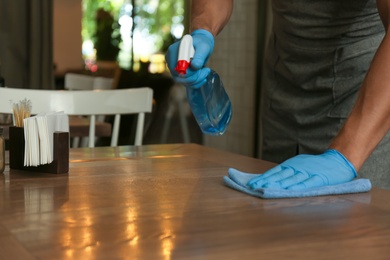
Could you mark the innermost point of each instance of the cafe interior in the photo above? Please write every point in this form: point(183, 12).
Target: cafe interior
point(51, 45)
point(144, 182)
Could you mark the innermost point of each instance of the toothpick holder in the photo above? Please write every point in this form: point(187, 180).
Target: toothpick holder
point(60, 163)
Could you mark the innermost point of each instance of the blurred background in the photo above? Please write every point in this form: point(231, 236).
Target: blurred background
point(41, 41)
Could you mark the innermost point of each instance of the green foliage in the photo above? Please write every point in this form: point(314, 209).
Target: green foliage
point(152, 17)
point(157, 18)
point(90, 8)
point(100, 26)
point(107, 37)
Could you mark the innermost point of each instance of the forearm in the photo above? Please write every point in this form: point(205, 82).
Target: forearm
point(369, 120)
point(211, 15)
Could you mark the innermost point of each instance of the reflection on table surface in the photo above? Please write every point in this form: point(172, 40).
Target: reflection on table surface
point(169, 202)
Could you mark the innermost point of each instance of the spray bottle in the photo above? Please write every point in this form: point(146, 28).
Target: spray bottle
point(210, 103)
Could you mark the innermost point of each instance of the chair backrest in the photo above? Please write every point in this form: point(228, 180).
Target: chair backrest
point(102, 83)
point(75, 81)
point(86, 102)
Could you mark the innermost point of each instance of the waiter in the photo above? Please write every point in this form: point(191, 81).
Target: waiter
point(326, 114)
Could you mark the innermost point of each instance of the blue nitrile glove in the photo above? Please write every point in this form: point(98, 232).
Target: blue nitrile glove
point(307, 171)
point(195, 77)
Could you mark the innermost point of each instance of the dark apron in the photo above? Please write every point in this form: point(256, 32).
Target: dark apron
point(317, 58)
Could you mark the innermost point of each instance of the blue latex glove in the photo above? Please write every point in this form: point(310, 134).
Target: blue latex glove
point(195, 77)
point(307, 171)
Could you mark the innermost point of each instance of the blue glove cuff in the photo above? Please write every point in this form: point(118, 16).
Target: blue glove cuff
point(208, 35)
point(341, 156)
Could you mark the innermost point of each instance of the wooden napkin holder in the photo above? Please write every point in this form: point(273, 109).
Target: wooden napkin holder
point(60, 163)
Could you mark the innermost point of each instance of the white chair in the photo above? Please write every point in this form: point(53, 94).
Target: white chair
point(74, 81)
point(86, 102)
point(103, 83)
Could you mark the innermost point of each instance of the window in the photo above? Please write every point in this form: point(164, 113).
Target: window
point(139, 30)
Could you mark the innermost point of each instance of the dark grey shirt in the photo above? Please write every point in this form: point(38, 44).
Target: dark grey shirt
point(325, 23)
point(318, 56)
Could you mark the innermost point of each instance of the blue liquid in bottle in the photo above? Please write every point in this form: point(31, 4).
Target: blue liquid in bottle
point(211, 105)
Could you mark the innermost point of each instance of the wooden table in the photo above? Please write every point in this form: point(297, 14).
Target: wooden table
point(169, 202)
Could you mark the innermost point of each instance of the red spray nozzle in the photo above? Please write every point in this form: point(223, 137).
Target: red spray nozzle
point(186, 52)
point(182, 66)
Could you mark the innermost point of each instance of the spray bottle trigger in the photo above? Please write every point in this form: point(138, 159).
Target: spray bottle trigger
point(186, 53)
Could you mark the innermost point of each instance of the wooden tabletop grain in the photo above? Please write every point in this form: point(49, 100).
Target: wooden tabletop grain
point(169, 202)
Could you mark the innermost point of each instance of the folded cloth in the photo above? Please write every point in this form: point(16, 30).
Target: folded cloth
point(238, 180)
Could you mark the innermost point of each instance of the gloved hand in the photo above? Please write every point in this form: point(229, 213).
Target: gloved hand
point(195, 77)
point(307, 171)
